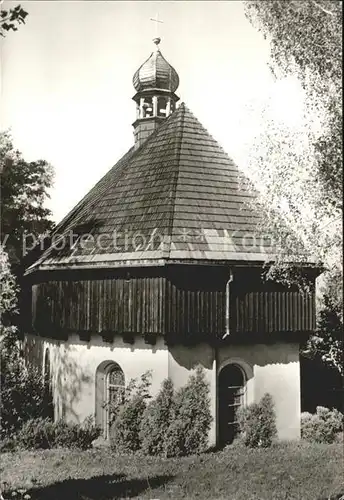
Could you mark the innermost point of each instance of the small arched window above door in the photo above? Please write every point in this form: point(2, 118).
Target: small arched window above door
point(110, 387)
point(231, 396)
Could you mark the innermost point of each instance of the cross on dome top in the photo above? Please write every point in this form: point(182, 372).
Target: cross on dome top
point(156, 38)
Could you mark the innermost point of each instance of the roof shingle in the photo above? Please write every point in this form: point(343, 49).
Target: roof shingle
point(177, 197)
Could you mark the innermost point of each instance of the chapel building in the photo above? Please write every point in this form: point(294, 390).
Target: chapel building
point(159, 267)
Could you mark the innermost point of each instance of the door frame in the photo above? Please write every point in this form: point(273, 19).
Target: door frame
point(247, 372)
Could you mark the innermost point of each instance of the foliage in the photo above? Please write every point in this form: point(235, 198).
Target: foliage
point(297, 165)
point(190, 418)
point(24, 190)
point(125, 429)
point(328, 343)
point(156, 420)
point(10, 19)
point(257, 423)
point(173, 424)
point(323, 426)
point(24, 394)
point(35, 433)
point(76, 435)
point(42, 433)
point(20, 494)
point(8, 289)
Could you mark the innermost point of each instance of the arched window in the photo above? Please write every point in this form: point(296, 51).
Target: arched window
point(110, 386)
point(232, 392)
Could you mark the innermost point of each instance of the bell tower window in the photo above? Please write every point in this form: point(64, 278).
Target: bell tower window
point(162, 106)
point(147, 107)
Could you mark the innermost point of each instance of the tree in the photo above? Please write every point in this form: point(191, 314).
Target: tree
point(306, 41)
point(8, 290)
point(156, 420)
point(297, 167)
point(22, 390)
point(24, 190)
point(327, 344)
point(10, 19)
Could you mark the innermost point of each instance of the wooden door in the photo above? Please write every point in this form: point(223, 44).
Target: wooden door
point(231, 393)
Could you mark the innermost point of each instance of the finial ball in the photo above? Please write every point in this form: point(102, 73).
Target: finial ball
point(157, 40)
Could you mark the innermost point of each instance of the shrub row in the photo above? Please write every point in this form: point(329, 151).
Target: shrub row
point(257, 423)
point(175, 423)
point(42, 433)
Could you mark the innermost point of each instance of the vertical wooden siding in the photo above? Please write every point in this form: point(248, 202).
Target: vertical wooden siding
point(190, 304)
point(269, 310)
point(115, 305)
point(192, 313)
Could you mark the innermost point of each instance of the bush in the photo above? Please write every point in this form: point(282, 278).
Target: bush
point(190, 418)
point(125, 430)
point(23, 391)
point(322, 427)
point(257, 423)
point(156, 420)
point(78, 436)
point(7, 444)
point(42, 433)
point(36, 433)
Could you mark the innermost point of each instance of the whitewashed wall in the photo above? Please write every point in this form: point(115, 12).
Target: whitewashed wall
point(274, 368)
point(74, 364)
point(269, 368)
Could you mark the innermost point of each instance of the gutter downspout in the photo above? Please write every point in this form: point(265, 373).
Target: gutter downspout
point(228, 303)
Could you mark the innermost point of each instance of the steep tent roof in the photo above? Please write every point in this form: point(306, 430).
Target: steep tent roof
point(178, 197)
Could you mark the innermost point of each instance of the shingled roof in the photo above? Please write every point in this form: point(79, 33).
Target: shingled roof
point(177, 198)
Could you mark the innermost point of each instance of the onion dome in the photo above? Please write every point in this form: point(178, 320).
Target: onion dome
point(156, 73)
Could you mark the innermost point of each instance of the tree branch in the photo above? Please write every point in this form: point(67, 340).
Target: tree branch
point(329, 12)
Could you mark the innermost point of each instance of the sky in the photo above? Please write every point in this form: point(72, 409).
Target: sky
point(66, 81)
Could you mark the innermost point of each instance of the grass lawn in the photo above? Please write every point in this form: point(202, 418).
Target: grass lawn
point(286, 471)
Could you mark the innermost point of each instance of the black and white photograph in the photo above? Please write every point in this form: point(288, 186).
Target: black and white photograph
point(171, 251)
